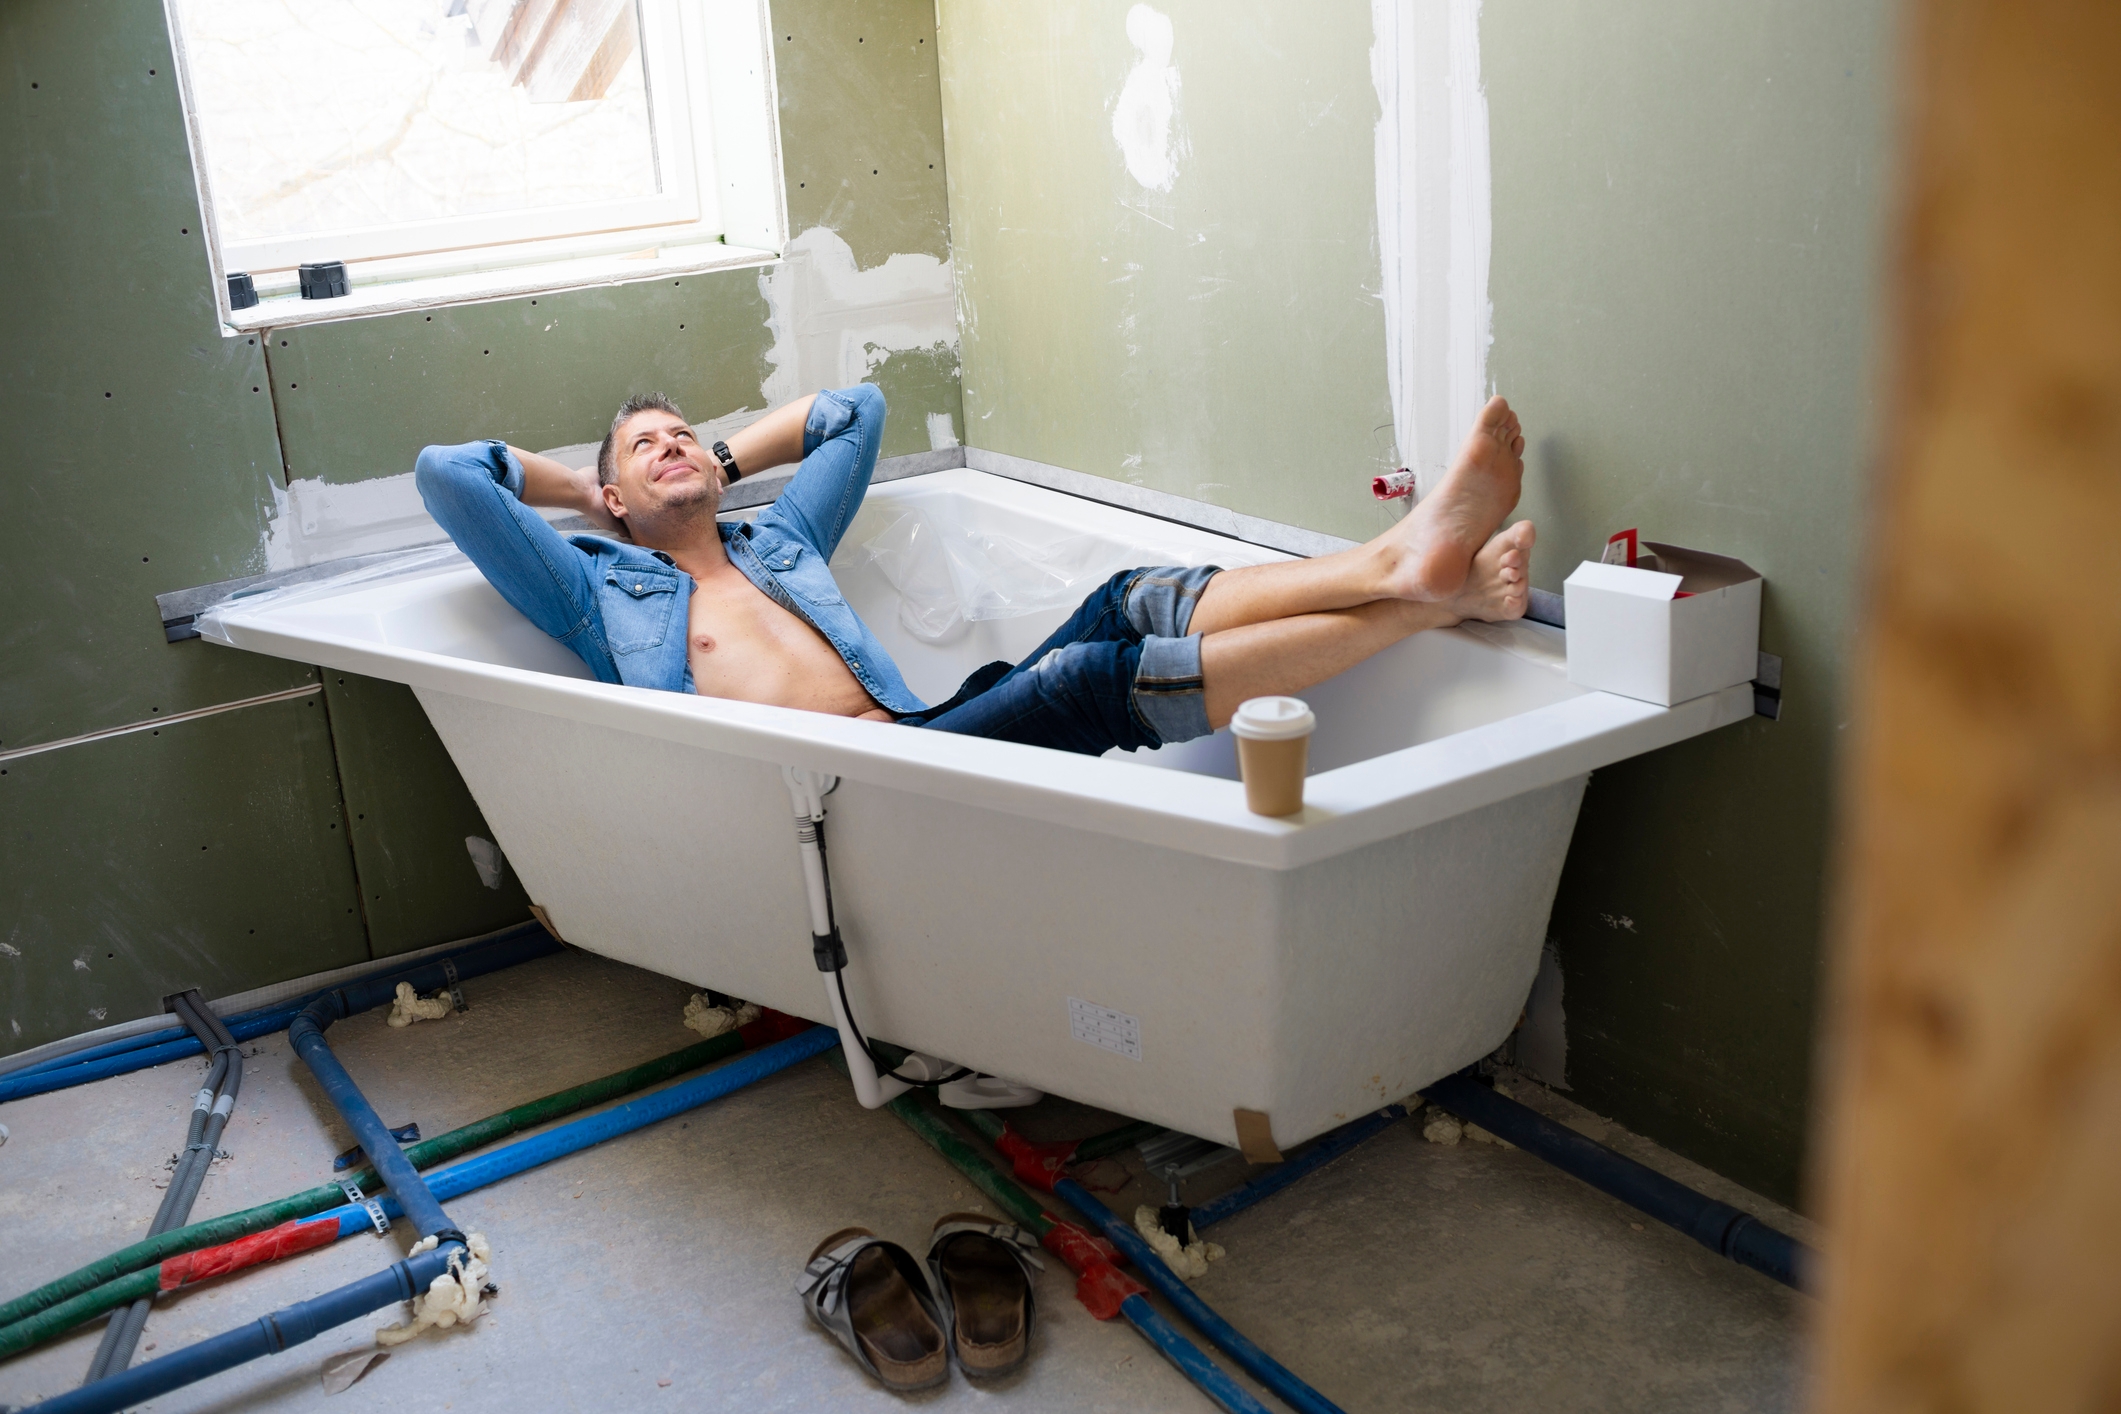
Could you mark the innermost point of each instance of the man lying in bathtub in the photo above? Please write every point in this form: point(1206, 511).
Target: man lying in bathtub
point(750, 611)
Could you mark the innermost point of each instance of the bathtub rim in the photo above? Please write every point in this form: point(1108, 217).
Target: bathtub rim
point(1345, 809)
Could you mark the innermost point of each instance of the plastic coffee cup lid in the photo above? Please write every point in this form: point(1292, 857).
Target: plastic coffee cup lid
point(1272, 719)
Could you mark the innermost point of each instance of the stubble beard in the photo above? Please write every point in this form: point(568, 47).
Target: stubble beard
point(680, 514)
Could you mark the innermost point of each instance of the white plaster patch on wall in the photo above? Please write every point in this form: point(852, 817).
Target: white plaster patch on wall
point(1433, 213)
point(942, 431)
point(834, 324)
point(315, 520)
point(1145, 115)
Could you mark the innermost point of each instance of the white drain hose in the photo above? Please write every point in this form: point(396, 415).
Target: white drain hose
point(807, 790)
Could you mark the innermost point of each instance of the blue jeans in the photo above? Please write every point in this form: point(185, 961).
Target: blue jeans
point(1122, 672)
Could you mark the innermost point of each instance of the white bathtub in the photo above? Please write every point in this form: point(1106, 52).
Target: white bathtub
point(1308, 969)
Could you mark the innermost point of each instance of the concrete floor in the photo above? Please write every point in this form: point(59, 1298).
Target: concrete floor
point(655, 1272)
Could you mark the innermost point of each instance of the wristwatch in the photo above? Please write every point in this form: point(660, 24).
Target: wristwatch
point(721, 454)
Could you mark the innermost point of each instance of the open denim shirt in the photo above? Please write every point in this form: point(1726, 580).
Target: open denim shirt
point(623, 609)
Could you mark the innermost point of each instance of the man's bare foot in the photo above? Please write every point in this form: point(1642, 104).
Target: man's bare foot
point(1499, 583)
point(1431, 551)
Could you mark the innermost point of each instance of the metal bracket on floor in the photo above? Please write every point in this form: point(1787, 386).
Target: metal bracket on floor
point(354, 1195)
point(456, 989)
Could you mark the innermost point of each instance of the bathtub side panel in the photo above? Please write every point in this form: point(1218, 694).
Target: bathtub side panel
point(979, 927)
point(1311, 994)
point(968, 930)
point(1409, 959)
point(660, 855)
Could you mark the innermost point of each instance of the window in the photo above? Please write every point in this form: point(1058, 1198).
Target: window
point(451, 149)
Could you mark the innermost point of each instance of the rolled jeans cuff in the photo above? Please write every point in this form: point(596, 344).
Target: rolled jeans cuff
point(1169, 697)
point(1161, 601)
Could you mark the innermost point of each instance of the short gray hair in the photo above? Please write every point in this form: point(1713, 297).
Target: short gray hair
point(635, 404)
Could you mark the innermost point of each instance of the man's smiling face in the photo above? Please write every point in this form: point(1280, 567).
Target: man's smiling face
point(662, 469)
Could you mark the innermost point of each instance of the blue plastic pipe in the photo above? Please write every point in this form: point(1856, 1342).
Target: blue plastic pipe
point(1717, 1226)
point(1324, 1152)
point(108, 1048)
point(1224, 1336)
point(575, 1135)
point(62, 1072)
point(299, 1323)
point(281, 1010)
point(1227, 1393)
point(268, 1335)
point(306, 1034)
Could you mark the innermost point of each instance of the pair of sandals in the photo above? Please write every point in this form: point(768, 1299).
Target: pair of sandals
point(877, 1303)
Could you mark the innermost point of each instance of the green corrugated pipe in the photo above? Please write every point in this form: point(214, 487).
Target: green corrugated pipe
point(117, 1279)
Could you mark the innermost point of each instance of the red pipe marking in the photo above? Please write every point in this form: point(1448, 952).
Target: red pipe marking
point(770, 1027)
point(1392, 485)
point(1040, 1165)
point(295, 1235)
point(1099, 1285)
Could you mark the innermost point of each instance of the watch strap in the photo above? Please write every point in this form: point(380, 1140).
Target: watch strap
point(722, 455)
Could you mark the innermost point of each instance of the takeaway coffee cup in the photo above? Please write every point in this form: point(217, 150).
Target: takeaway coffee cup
point(1273, 740)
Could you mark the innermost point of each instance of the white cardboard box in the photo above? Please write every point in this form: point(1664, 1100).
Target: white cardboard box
point(1687, 626)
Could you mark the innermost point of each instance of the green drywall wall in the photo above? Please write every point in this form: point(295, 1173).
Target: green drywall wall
point(169, 482)
point(138, 458)
point(359, 399)
point(1687, 207)
point(410, 815)
point(1222, 341)
point(208, 853)
point(1685, 219)
point(862, 124)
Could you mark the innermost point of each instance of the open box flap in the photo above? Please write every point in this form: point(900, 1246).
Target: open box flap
point(1625, 579)
point(1697, 570)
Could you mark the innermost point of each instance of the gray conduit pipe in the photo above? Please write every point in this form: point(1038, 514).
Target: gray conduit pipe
point(212, 1106)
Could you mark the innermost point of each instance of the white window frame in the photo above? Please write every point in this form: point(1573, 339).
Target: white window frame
point(716, 124)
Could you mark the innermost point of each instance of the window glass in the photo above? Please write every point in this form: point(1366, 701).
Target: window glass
point(329, 115)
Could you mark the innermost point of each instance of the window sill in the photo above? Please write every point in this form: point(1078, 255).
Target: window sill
point(284, 311)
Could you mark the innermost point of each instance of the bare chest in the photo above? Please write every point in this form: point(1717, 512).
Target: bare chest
point(743, 645)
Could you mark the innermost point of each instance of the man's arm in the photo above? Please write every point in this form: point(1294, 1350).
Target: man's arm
point(476, 493)
point(550, 483)
point(774, 440)
point(841, 433)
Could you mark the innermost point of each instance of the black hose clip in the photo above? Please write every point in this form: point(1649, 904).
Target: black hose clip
point(444, 1236)
point(828, 951)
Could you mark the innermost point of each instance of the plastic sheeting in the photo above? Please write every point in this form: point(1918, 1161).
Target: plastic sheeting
point(950, 572)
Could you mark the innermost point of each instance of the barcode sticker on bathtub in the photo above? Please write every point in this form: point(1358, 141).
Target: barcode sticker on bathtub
point(1102, 1026)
